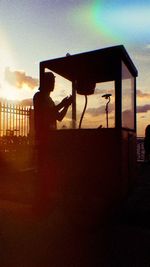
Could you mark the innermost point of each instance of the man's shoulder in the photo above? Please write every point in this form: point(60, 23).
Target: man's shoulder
point(37, 97)
point(37, 94)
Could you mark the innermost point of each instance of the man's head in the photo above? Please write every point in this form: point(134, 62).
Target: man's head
point(47, 82)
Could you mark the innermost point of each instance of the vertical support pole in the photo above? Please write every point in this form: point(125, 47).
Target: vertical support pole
point(118, 105)
point(0, 118)
point(118, 98)
point(19, 119)
point(13, 117)
point(135, 104)
point(22, 121)
point(4, 117)
point(41, 74)
point(28, 121)
point(7, 117)
point(24, 114)
point(16, 125)
point(74, 104)
point(107, 111)
point(10, 117)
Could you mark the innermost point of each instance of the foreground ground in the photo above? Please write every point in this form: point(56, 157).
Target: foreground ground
point(32, 241)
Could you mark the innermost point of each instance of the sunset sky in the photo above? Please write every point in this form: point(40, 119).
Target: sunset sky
point(35, 30)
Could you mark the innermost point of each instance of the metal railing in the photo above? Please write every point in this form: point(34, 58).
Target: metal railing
point(14, 120)
point(17, 127)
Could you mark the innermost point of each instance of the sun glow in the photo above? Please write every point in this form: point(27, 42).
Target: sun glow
point(6, 60)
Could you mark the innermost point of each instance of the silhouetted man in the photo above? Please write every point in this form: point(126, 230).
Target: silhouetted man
point(46, 113)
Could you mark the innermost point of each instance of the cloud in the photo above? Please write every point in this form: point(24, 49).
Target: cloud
point(93, 111)
point(128, 119)
point(142, 109)
point(143, 117)
point(19, 78)
point(141, 94)
point(100, 110)
point(99, 91)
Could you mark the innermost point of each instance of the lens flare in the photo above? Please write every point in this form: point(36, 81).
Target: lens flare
point(125, 21)
point(118, 21)
point(100, 14)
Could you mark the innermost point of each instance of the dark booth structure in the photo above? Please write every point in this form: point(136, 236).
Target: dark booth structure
point(94, 169)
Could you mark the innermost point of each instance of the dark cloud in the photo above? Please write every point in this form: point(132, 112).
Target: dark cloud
point(18, 79)
point(93, 111)
point(99, 91)
point(99, 110)
point(142, 117)
point(142, 109)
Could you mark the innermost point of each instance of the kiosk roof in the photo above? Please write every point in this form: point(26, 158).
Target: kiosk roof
point(99, 65)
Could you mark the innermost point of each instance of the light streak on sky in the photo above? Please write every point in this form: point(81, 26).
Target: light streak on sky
point(118, 20)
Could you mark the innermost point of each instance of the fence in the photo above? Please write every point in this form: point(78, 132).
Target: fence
point(16, 132)
point(18, 121)
point(15, 120)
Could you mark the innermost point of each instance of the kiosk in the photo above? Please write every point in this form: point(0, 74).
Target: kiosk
point(95, 168)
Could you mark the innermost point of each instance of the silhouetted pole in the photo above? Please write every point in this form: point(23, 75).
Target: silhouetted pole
point(42, 71)
point(107, 96)
point(74, 104)
point(0, 117)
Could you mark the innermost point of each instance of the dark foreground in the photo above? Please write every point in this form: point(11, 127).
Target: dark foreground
point(49, 241)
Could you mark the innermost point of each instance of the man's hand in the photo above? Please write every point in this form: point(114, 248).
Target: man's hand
point(70, 99)
point(63, 107)
point(67, 101)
